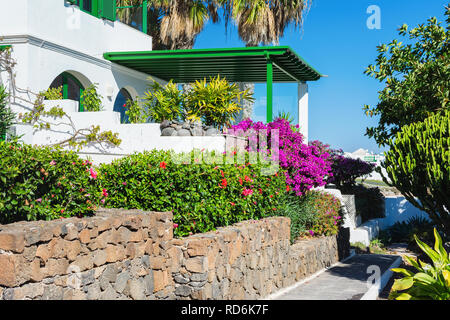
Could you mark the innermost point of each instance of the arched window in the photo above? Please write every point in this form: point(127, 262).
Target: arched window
point(120, 104)
point(71, 88)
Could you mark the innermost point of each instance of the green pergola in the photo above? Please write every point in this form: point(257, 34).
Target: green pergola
point(249, 64)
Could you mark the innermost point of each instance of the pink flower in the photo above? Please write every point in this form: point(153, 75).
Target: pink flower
point(105, 193)
point(102, 201)
point(247, 192)
point(124, 183)
point(233, 204)
point(93, 174)
point(175, 225)
point(39, 200)
point(52, 163)
point(311, 232)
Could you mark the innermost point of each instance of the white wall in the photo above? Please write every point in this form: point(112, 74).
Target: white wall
point(66, 25)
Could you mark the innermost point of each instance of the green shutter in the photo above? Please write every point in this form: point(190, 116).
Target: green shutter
point(107, 9)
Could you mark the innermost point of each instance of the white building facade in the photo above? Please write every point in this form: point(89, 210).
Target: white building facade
point(61, 43)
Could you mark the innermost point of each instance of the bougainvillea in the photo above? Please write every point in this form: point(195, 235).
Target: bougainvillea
point(347, 170)
point(306, 166)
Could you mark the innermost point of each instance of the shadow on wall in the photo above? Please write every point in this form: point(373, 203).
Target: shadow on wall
point(398, 209)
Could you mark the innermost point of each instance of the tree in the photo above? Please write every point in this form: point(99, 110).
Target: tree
point(416, 75)
point(173, 24)
point(418, 165)
point(261, 21)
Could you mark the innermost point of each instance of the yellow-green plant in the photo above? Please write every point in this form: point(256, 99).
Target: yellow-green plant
point(136, 112)
point(91, 100)
point(216, 102)
point(53, 93)
point(162, 102)
point(431, 281)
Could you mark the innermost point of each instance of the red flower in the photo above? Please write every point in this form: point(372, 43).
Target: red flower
point(223, 174)
point(163, 165)
point(175, 225)
point(105, 193)
point(247, 179)
point(260, 191)
point(247, 192)
point(233, 204)
point(288, 188)
point(240, 181)
point(93, 174)
point(224, 183)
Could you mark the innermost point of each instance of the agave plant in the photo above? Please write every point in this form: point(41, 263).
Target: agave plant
point(431, 282)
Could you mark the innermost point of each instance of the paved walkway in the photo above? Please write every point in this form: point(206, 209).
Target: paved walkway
point(348, 280)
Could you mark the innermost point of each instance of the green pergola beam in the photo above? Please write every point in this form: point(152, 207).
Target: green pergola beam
point(269, 81)
point(249, 64)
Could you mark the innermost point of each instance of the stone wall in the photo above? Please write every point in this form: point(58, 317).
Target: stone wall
point(133, 255)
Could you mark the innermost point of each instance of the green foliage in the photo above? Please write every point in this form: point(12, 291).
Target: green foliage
point(313, 213)
point(417, 78)
point(162, 102)
point(418, 165)
point(431, 282)
point(201, 196)
point(53, 93)
point(43, 183)
point(136, 112)
point(216, 102)
point(404, 232)
point(7, 117)
point(91, 100)
point(328, 218)
point(301, 212)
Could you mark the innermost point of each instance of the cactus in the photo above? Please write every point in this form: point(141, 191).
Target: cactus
point(418, 165)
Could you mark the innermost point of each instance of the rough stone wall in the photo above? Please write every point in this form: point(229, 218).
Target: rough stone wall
point(133, 255)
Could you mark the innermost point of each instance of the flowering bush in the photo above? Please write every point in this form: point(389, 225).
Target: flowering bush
point(201, 196)
point(328, 219)
point(43, 183)
point(347, 170)
point(306, 166)
point(312, 214)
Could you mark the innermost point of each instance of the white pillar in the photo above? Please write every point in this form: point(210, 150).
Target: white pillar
point(303, 109)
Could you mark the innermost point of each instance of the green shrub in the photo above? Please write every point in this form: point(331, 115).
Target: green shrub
point(405, 231)
point(53, 93)
point(312, 214)
point(431, 282)
point(136, 112)
point(328, 218)
point(418, 165)
point(43, 183)
point(301, 212)
point(7, 117)
point(91, 100)
point(216, 102)
point(162, 102)
point(201, 196)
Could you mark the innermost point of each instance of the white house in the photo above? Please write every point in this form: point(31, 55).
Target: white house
point(77, 43)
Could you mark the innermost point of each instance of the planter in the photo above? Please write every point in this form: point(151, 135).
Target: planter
point(176, 128)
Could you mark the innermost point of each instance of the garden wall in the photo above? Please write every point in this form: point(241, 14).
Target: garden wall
point(133, 255)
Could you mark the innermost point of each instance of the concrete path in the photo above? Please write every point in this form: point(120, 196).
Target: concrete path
point(360, 277)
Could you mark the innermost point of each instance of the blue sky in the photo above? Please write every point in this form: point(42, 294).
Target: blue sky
point(336, 41)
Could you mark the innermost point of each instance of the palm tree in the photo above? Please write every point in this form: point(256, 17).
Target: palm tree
point(173, 24)
point(264, 22)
